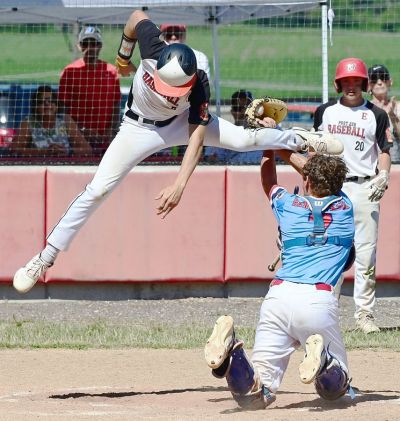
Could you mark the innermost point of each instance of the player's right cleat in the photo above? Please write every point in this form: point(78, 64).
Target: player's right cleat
point(319, 142)
point(366, 323)
point(314, 359)
point(220, 343)
point(26, 277)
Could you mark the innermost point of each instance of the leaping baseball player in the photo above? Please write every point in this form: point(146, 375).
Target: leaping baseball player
point(300, 307)
point(167, 106)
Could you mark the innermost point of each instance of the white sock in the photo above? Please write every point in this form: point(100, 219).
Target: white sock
point(49, 254)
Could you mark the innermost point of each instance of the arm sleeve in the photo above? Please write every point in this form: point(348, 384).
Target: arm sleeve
point(278, 197)
point(319, 113)
point(148, 36)
point(382, 127)
point(318, 118)
point(199, 100)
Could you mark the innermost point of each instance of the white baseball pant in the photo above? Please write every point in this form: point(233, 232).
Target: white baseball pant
point(290, 313)
point(366, 219)
point(135, 142)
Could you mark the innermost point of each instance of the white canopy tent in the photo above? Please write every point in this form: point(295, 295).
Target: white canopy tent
point(197, 12)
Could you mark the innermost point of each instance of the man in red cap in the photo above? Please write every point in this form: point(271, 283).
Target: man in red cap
point(363, 129)
point(167, 106)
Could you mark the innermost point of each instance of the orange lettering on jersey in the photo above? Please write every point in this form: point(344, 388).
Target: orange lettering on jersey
point(203, 111)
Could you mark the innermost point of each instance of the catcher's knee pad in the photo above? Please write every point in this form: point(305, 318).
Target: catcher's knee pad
point(332, 382)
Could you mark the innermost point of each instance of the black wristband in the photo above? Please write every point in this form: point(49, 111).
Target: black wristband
point(126, 47)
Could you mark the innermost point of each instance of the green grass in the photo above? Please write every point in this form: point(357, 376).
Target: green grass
point(103, 335)
point(284, 62)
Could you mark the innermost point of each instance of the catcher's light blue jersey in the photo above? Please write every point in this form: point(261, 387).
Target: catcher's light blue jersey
point(311, 264)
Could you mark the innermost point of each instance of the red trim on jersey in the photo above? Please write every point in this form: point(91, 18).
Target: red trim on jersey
point(273, 190)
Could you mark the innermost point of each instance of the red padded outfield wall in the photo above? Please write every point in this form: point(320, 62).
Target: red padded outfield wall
point(223, 229)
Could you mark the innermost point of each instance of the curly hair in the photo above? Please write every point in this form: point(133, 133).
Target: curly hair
point(37, 96)
point(326, 174)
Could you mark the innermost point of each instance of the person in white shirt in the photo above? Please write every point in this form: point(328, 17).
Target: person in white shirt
point(363, 129)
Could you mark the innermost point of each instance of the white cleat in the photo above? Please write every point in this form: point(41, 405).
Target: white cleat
point(320, 142)
point(220, 342)
point(314, 359)
point(26, 277)
point(366, 323)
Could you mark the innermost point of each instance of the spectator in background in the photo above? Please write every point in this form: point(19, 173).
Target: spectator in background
point(239, 102)
point(47, 133)
point(90, 91)
point(177, 33)
point(380, 83)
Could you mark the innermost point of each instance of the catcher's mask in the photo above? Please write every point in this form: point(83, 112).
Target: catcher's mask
point(351, 67)
point(175, 73)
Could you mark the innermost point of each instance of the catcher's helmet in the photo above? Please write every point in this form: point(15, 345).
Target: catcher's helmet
point(351, 67)
point(175, 73)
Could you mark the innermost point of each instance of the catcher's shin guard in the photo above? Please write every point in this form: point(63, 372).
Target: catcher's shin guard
point(244, 383)
point(241, 375)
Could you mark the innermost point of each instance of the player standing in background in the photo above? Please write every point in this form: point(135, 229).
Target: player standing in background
point(364, 129)
point(380, 83)
point(167, 106)
point(300, 307)
point(176, 33)
point(90, 91)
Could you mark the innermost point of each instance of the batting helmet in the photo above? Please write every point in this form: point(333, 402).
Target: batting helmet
point(175, 73)
point(351, 67)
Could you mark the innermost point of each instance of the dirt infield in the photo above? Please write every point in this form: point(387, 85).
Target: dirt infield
point(140, 384)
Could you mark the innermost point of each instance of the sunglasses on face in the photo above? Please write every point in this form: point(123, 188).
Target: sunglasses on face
point(90, 43)
point(169, 35)
point(376, 76)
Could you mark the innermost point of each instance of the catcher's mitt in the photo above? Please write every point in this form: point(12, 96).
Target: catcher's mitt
point(265, 107)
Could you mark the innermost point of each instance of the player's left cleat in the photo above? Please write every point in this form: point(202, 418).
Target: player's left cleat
point(366, 323)
point(220, 343)
point(320, 142)
point(314, 359)
point(26, 277)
